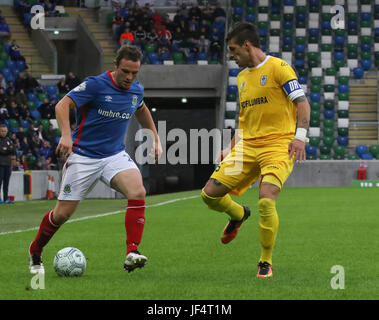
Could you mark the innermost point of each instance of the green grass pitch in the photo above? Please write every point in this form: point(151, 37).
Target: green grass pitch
point(318, 229)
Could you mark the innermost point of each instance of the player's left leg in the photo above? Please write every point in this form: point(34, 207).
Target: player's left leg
point(123, 175)
point(268, 222)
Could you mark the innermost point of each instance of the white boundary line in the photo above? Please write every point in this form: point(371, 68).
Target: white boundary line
point(103, 214)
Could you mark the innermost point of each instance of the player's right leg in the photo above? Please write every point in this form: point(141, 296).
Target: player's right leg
point(48, 227)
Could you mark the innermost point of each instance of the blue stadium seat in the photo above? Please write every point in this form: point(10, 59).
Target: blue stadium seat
point(51, 89)
point(352, 24)
point(361, 149)
point(343, 88)
point(287, 25)
point(166, 56)
point(314, 32)
point(32, 97)
point(157, 62)
point(262, 32)
point(339, 55)
point(299, 63)
point(6, 122)
point(303, 80)
point(366, 16)
point(366, 64)
point(300, 17)
point(287, 40)
point(6, 72)
point(238, 10)
point(343, 141)
point(376, 8)
point(153, 57)
point(234, 72)
point(366, 47)
point(367, 156)
point(191, 61)
point(311, 150)
point(358, 73)
point(11, 65)
point(289, 2)
point(275, 9)
point(264, 47)
point(35, 114)
point(250, 17)
point(27, 18)
point(328, 114)
point(24, 124)
point(315, 96)
point(339, 40)
point(232, 89)
point(202, 56)
point(7, 47)
point(300, 48)
point(326, 24)
point(251, 3)
point(314, 3)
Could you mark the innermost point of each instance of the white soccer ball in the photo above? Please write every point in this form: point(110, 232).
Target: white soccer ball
point(70, 262)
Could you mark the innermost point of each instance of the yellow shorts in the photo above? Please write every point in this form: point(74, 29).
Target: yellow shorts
point(249, 160)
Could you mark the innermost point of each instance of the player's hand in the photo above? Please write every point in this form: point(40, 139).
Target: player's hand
point(157, 150)
point(222, 155)
point(64, 147)
point(296, 149)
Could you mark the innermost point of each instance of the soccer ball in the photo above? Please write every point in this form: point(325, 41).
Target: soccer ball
point(70, 262)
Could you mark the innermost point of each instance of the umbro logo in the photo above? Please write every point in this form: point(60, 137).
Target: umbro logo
point(108, 98)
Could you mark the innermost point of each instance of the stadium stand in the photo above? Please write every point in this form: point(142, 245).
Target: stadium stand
point(335, 68)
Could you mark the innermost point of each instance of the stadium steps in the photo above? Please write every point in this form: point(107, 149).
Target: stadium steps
point(36, 64)
point(363, 111)
point(101, 33)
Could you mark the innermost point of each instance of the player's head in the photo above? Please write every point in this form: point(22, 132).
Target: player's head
point(127, 64)
point(3, 130)
point(243, 41)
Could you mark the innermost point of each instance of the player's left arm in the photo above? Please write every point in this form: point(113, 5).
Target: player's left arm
point(145, 118)
point(297, 145)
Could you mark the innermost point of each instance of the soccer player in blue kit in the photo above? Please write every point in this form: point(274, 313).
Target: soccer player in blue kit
point(96, 151)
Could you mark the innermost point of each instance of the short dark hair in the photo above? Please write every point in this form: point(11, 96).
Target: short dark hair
point(128, 52)
point(3, 125)
point(243, 31)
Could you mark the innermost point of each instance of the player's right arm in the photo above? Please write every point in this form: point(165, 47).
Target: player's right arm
point(62, 112)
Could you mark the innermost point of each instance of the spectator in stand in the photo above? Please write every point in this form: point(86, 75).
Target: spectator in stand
point(194, 12)
point(215, 48)
point(20, 134)
point(10, 90)
point(39, 131)
point(31, 83)
point(21, 97)
point(207, 13)
point(157, 20)
point(152, 36)
point(45, 150)
point(205, 24)
point(219, 24)
point(130, 21)
point(183, 11)
point(4, 29)
point(50, 135)
point(49, 7)
point(203, 44)
point(184, 26)
point(11, 96)
point(219, 12)
point(3, 96)
point(140, 36)
point(4, 114)
point(189, 45)
point(178, 36)
point(30, 133)
point(116, 24)
point(168, 23)
point(148, 10)
point(164, 37)
point(124, 11)
point(72, 81)
point(127, 37)
point(35, 145)
point(116, 5)
point(47, 109)
point(3, 83)
point(15, 52)
point(178, 18)
point(203, 32)
point(13, 110)
point(24, 112)
point(24, 146)
point(62, 86)
point(20, 83)
point(193, 27)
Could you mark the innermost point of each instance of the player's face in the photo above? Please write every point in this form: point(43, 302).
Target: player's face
point(240, 54)
point(126, 73)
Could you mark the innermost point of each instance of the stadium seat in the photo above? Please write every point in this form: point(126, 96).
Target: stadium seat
point(367, 156)
point(353, 157)
point(343, 141)
point(339, 150)
point(311, 150)
point(344, 132)
point(233, 90)
point(361, 149)
point(35, 114)
point(358, 73)
point(314, 141)
point(374, 150)
point(329, 123)
point(328, 132)
point(343, 113)
point(328, 141)
point(329, 114)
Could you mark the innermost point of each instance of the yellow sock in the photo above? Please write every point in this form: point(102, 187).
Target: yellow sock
point(224, 204)
point(268, 227)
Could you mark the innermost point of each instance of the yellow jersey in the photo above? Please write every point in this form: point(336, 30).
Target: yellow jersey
point(265, 94)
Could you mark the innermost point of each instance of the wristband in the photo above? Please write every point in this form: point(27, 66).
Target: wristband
point(301, 134)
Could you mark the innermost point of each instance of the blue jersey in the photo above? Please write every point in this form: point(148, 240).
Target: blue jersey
point(103, 112)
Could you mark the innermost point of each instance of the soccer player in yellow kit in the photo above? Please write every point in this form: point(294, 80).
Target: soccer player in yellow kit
point(271, 136)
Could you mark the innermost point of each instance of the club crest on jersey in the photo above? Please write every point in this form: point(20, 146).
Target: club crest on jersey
point(80, 87)
point(108, 98)
point(134, 101)
point(263, 80)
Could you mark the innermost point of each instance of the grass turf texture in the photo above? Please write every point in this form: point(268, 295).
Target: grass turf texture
point(319, 228)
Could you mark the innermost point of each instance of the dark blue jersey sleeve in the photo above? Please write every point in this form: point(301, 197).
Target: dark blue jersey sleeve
point(84, 92)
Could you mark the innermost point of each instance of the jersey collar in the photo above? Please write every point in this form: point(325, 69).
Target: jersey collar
point(261, 64)
point(113, 82)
